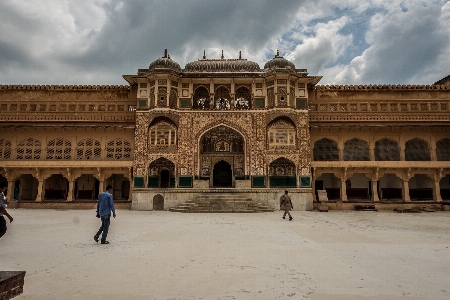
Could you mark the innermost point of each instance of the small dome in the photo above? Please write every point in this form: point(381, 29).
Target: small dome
point(278, 62)
point(165, 63)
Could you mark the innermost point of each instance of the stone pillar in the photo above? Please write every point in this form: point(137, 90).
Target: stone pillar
point(437, 191)
point(70, 191)
point(405, 191)
point(313, 186)
point(375, 197)
point(372, 154)
point(343, 190)
point(10, 189)
point(433, 153)
point(40, 194)
point(402, 153)
point(101, 186)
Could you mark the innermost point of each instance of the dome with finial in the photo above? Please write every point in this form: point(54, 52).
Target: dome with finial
point(165, 62)
point(221, 65)
point(278, 62)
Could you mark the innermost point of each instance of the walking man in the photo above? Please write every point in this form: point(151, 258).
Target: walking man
point(3, 211)
point(105, 206)
point(286, 205)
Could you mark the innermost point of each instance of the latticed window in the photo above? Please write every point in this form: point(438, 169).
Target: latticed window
point(5, 149)
point(417, 150)
point(118, 149)
point(162, 134)
point(281, 133)
point(386, 150)
point(88, 149)
point(29, 149)
point(243, 98)
point(356, 149)
point(443, 150)
point(325, 150)
point(59, 149)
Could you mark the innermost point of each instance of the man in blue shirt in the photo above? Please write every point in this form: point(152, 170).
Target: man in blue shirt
point(105, 205)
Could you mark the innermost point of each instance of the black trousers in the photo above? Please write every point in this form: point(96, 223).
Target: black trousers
point(2, 226)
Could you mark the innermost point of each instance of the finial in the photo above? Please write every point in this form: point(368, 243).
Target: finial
point(278, 53)
point(222, 55)
point(240, 55)
point(204, 54)
point(168, 55)
point(165, 53)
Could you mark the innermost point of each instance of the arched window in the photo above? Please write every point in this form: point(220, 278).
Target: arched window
point(443, 150)
point(201, 98)
point(417, 150)
point(88, 149)
point(356, 150)
point(118, 149)
point(5, 149)
point(281, 133)
point(243, 98)
point(29, 149)
point(162, 134)
point(222, 98)
point(387, 150)
point(59, 149)
point(325, 150)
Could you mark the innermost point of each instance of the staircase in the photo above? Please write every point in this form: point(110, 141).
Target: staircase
point(220, 203)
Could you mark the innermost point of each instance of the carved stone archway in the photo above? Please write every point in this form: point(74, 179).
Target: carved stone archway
point(222, 143)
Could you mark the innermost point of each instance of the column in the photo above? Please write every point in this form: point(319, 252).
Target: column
point(405, 191)
point(101, 186)
point(343, 190)
point(313, 186)
point(372, 154)
point(70, 192)
point(40, 193)
point(130, 195)
point(375, 197)
point(402, 153)
point(437, 191)
point(10, 189)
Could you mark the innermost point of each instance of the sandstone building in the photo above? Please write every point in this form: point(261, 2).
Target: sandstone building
point(226, 126)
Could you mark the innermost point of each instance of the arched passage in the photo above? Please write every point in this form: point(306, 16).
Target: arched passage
point(421, 188)
point(26, 188)
point(86, 187)
point(330, 183)
point(444, 185)
point(56, 187)
point(390, 187)
point(158, 202)
point(358, 187)
point(162, 173)
point(121, 186)
point(221, 143)
point(282, 173)
point(222, 174)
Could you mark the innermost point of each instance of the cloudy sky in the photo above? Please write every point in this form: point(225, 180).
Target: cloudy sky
point(345, 41)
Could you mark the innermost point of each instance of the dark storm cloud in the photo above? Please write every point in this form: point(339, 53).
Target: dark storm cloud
point(137, 32)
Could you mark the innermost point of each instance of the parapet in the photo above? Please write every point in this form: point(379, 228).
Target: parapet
point(382, 87)
point(65, 87)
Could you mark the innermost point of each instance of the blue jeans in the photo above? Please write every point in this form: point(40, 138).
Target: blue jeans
point(104, 228)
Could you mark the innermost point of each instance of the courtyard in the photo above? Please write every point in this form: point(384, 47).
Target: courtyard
point(162, 255)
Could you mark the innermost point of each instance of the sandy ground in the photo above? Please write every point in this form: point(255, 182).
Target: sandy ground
point(337, 255)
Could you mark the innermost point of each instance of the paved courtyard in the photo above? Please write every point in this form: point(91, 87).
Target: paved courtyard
point(161, 255)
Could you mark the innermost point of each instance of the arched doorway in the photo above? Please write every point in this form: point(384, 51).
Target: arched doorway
point(222, 174)
point(158, 202)
point(165, 178)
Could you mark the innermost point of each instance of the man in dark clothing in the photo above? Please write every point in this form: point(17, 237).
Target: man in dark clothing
point(3, 211)
point(105, 206)
point(286, 205)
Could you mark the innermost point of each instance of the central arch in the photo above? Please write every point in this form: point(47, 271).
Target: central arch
point(222, 157)
point(222, 174)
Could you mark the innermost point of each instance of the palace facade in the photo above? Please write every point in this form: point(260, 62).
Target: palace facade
point(223, 127)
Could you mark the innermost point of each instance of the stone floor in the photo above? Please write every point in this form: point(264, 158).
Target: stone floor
point(162, 255)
